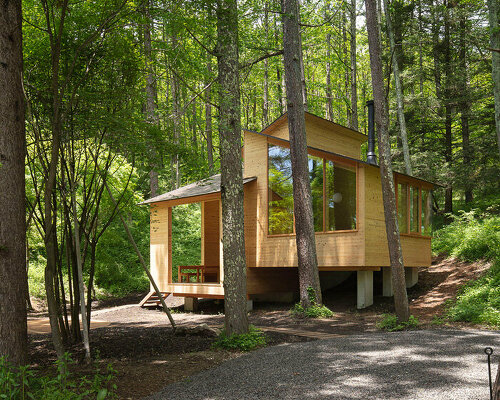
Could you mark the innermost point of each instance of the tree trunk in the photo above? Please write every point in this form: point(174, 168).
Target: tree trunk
point(354, 84)
point(464, 111)
point(79, 268)
point(304, 226)
point(233, 235)
point(496, 386)
point(328, 91)
point(208, 121)
point(399, 89)
point(151, 115)
point(448, 150)
point(493, 9)
point(265, 108)
point(386, 174)
point(13, 325)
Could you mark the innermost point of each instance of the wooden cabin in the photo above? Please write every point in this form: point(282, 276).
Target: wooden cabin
point(348, 218)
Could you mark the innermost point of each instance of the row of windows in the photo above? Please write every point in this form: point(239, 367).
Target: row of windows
point(333, 190)
point(414, 209)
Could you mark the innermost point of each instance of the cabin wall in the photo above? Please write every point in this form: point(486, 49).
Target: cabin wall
point(338, 249)
point(416, 248)
point(250, 209)
point(325, 136)
point(160, 232)
point(210, 241)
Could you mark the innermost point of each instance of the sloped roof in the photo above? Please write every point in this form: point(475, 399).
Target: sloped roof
point(205, 186)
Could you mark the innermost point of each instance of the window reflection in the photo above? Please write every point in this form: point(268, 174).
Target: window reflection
point(426, 228)
point(413, 209)
point(403, 207)
point(280, 191)
point(316, 179)
point(341, 197)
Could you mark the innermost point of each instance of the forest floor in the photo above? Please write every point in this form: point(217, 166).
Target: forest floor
point(146, 355)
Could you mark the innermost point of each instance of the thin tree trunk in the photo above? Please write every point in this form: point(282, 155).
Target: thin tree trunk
point(493, 9)
point(386, 174)
point(208, 121)
point(354, 84)
point(301, 60)
point(496, 386)
point(329, 103)
point(79, 267)
point(233, 235)
point(420, 49)
point(141, 259)
point(304, 226)
point(399, 89)
point(448, 149)
point(13, 325)
point(464, 111)
point(265, 109)
point(175, 117)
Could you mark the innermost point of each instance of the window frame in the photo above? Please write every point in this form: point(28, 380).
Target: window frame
point(410, 182)
point(348, 164)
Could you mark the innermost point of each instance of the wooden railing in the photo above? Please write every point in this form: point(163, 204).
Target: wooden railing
point(200, 272)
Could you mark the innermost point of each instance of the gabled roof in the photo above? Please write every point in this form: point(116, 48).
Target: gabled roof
point(340, 129)
point(205, 186)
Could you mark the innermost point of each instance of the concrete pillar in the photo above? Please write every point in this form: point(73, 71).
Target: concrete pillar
point(365, 289)
point(387, 290)
point(411, 277)
point(249, 305)
point(190, 304)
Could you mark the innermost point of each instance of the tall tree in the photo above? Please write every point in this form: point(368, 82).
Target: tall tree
point(302, 206)
point(233, 235)
point(399, 89)
point(493, 10)
point(354, 68)
point(386, 174)
point(13, 328)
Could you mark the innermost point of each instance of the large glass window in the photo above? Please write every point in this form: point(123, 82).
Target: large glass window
point(340, 197)
point(316, 179)
point(413, 209)
point(280, 196)
point(426, 228)
point(333, 190)
point(403, 207)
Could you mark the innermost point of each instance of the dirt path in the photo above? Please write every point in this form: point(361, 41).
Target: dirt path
point(140, 345)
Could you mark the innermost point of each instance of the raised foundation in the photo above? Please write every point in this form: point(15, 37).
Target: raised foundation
point(411, 277)
point(387, 290)
point(365, 289)
point(283, 297)
point(249, 305)
point(190, 304)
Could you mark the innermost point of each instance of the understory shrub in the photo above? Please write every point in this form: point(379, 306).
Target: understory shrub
point(26, 383)
point(474, 236)
point(245, 342)
point(389, 322)
point(315, 310)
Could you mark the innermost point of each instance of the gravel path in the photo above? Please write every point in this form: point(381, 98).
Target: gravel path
point(437, 365)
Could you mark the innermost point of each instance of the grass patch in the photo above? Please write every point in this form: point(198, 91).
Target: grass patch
point(255, 338)
point(389, 323)
point(314, 311)
point(474, 236)
point(26, 383)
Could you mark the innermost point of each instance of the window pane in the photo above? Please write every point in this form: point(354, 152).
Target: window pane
point(316, 179)
point(341, 198)
point(280, 195)
point(403, 207)
point(426, 213)
point(413, 209)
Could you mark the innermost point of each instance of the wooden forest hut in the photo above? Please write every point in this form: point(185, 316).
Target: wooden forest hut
point(348, 218)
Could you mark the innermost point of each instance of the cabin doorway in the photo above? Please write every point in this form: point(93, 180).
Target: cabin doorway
point(196, 243)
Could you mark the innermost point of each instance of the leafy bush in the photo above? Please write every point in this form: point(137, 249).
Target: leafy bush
point(479, 301)
point(315, 310)
point(245, 342)
point(25, 383)
point(390, 323)
point(474, 236)
point(470, 237)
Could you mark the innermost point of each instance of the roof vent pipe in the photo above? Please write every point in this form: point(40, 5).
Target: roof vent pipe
point(371, 157)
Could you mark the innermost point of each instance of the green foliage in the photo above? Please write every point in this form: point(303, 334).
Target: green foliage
point(474, 236)
point(389, 322)
point(26, 383)
point(470, 237)
point(315, 310)
point(245, 342)
point(479, 301)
